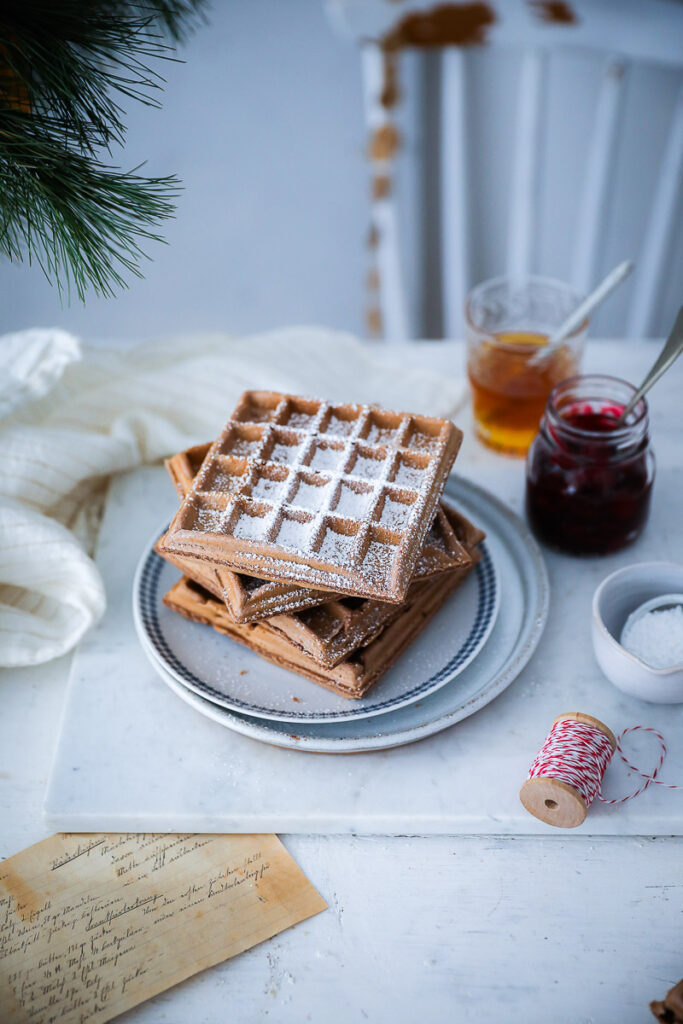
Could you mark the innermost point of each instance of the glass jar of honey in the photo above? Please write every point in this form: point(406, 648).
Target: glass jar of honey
point(508, 323)
point(589, 481)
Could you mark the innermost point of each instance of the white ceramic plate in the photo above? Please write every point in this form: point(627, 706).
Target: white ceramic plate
point(235, 678)
point(515, 635)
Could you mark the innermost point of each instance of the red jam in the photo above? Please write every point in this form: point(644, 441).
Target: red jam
point(588, 480)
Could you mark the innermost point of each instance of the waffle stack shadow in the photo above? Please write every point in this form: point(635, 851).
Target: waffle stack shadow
point(314, 534)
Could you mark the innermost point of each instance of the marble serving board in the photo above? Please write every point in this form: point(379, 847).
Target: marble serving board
point(133, 757)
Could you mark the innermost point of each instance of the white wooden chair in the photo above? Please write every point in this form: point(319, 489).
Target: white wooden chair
point(623, 33)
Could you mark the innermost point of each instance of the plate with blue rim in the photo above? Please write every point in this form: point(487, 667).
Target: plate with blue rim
point(231, 676)
point(523, 609)
point(236, 682)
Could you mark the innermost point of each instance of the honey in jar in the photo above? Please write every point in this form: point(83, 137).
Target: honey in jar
point(508, 322)
point(509, 390)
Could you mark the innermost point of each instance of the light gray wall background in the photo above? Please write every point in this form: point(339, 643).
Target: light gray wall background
point(264, 124)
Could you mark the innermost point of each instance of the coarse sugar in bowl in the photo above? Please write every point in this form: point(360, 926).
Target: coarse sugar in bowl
point(589, 479)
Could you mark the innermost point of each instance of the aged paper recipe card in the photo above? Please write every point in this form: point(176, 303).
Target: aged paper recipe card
point(91, 925)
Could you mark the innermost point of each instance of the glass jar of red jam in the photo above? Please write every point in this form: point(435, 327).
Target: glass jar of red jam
point(589, 481)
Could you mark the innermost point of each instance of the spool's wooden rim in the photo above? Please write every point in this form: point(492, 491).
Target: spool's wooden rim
point(553, 801)
point(578, 716)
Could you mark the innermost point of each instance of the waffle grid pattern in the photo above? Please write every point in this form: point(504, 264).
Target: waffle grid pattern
point(348, 489)
point(248, 598)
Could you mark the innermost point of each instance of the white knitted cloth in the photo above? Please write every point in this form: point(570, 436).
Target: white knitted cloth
point(71, 415)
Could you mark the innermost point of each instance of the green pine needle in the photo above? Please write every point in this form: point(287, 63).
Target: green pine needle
point(62, 68)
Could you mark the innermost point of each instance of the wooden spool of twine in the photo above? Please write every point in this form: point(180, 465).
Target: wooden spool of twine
point(567, 772)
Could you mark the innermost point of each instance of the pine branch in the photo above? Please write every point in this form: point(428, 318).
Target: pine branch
point(63, 68)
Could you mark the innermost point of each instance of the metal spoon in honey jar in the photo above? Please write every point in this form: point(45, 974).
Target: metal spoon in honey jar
point(583, 311)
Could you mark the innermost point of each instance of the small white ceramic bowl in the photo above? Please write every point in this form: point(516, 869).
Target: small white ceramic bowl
point(615, 599)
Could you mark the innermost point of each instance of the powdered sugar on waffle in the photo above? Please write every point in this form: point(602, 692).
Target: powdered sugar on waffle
point(343, 487)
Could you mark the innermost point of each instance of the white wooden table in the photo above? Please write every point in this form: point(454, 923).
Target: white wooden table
point(557, 929)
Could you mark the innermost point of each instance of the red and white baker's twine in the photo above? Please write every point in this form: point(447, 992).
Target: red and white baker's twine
point(578, 754)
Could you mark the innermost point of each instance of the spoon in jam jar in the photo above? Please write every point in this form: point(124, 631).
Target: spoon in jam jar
point(666, 358)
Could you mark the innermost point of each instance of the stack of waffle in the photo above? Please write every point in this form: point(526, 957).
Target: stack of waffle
point(315, 534)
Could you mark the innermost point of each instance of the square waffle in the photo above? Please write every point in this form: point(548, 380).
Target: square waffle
point(335, 497)
point(351, 678)
point(248, 598)
point(330, 632)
